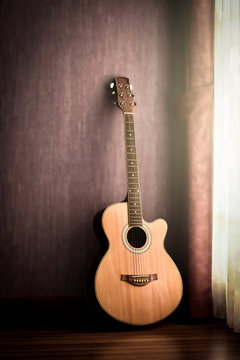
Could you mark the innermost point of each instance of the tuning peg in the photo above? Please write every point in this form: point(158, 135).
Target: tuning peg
point(131, 87)
point(114, 103)
point(135, 103)
point(112, 85)
point(113, 92)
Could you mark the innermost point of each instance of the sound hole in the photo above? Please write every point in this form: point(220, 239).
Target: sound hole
point(136, 237)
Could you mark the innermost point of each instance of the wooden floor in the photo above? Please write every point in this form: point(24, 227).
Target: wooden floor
point(167, 341)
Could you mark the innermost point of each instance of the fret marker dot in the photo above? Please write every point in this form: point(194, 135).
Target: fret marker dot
point(131, 163)
point(130, 149)
point(134, 204)
point(135, 211)
point(130, 190)
point(137, 190)
point(130, 134)
point(132, 174)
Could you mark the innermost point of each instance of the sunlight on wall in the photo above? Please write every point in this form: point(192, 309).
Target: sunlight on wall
point(226, 194)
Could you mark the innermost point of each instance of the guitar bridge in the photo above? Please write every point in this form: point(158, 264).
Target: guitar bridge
point(139, 280)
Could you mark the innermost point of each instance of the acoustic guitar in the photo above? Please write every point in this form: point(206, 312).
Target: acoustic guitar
point(136, 281)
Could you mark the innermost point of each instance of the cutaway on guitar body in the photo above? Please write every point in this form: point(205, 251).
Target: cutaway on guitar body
point(115, 291)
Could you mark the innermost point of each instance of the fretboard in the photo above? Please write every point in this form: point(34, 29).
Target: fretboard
point(133, 184)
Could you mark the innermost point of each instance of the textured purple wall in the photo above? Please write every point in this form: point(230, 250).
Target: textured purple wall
point(62, 139)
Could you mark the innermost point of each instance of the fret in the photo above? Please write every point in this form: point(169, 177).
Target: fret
point(129, 126)
point(133, 181)
point(131, 157)
point(130, 142)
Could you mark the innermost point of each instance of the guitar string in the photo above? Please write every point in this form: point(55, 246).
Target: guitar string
point(136, 232)
point(139, 259)
point(137, 235)
point(127, 119)
point(137, 228)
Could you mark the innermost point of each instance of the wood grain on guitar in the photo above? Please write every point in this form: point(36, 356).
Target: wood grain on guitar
point(136, 281)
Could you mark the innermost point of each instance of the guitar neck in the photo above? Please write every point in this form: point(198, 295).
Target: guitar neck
point(133, 184)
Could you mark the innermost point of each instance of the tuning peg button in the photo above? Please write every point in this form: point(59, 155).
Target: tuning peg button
point(112, 85)
point(131, 87)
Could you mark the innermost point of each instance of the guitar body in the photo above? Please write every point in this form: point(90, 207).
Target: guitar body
point(141, 299)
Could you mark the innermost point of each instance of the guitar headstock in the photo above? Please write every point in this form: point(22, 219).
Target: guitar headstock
point(122, 92)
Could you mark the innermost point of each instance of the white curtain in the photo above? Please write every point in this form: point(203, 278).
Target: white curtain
point(226, 186)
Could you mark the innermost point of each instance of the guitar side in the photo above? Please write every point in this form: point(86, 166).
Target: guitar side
point(122, 300)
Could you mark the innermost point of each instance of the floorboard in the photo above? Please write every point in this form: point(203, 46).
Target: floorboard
point(168, 341)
